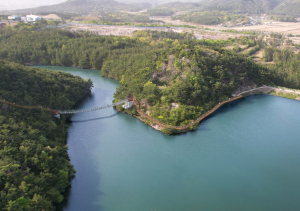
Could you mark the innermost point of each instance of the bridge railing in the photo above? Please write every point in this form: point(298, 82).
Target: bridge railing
point(91, 109)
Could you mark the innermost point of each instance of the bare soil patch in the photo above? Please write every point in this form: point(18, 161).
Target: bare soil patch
point(51, 17)
point(128, 31)
point(259, 54)
point(246, 50)
point(280, 27)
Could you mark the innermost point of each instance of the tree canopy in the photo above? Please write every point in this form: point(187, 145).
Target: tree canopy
point(34, 165)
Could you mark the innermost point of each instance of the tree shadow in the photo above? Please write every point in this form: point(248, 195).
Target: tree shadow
point(80, 102)
point(65, 203)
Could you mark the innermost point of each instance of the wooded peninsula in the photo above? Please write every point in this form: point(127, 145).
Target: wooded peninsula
point(175, 78)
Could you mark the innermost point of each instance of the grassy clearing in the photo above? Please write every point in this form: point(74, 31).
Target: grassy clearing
point(286, 95)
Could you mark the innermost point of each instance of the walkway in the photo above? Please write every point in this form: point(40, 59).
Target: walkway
point(185, 127)
point(92, 109)
point(181, 128)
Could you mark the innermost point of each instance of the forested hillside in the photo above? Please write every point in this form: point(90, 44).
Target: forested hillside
point(34, 165)
point(242, 6)
point(158, 68)
point(279, 7)
point(288, 7)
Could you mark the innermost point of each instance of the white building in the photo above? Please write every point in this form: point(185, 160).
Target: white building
point(128, 104)
point(13, 17)
point(32, 18)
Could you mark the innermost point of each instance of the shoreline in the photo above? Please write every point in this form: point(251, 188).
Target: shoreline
point(170, 129)
point(180, 129)
point(157, 125)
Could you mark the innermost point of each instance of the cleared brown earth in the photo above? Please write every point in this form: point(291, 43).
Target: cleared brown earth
point(51, 17)
point(259, 54)
point(128, 31)
point(280, 27)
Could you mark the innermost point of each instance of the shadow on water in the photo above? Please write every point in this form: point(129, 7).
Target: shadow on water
point(228, 107)
point(80, 103)
point(65, 203)
point(234, 104)
point(94, 119)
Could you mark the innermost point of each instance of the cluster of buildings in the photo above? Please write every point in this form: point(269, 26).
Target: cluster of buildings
point(14, 19)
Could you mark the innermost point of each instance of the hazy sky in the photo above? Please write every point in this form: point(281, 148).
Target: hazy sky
point(22, 4)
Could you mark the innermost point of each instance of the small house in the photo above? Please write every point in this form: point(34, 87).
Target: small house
point(2, 25)
point(33, 18)
point(10, 22)
point(14, 17)
point(128, 104)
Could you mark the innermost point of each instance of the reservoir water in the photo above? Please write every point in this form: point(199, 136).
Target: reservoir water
point(246, 156)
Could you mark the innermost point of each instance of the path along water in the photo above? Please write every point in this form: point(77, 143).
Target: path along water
point(244, 157)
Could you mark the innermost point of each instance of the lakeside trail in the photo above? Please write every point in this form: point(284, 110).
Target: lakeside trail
point(159, 125)
point(185, 127)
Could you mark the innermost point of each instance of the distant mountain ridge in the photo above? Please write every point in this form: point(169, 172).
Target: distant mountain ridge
point(242, 6)
point(284, 7)
point(290, 7)
point(86, 6)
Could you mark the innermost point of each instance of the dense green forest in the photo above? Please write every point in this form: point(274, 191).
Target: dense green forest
point(286, 63)
point(158, 68)
point(278, 54)
point(34, 165)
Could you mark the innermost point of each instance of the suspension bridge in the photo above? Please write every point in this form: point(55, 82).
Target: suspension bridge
point(93, 109)
point(128, 103)
point(132, 102)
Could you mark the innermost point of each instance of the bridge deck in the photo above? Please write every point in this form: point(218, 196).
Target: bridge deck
point(91, 109)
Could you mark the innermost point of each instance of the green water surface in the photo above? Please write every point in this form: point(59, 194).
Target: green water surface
point(246, 156)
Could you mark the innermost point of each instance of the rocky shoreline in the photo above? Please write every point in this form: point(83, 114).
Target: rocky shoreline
point(281, 92)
